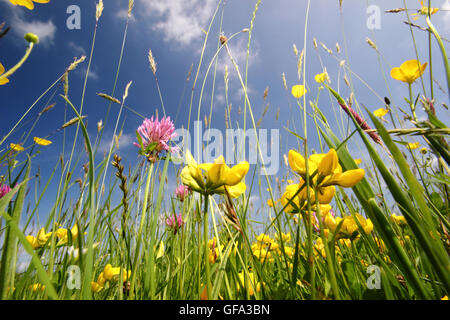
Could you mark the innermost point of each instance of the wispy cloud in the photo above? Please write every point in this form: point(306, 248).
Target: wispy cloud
point(93, 74)
point(180, 20)
point(76, 49)
point(123, 14)
point(45, 30)
point(445, 8)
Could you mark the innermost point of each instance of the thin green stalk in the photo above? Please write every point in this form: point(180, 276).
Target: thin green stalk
point(141, 227)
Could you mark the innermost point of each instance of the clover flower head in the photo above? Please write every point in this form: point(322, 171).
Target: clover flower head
point(175, 222)
point(4, 189)
point(181, 192)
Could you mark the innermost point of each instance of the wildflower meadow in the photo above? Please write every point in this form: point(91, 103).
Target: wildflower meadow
point(157, 164)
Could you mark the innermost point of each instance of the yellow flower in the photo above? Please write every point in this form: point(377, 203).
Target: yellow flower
point(16, 147)
point(37, 286)
point(33, 242)
point(27, 3)
point(423, 11)
point(40, 240)
point(62, 234)
point(250, 282)
point(349, 227)
point(399, 220)
point(380, 112)
point(96, 287)
point(444, 298)
point(211, 178)
point(321, 77)
point(298, 91)
point(41, 142)
point(423, 151)
point(358, 161)
point(264, 255)
point(285, 237)
point(325, 172)
point(412, 146)
point(409, 71)
point(3, 80)
point(110, 272)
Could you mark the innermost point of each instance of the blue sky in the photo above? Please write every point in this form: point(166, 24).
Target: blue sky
point(173, 31)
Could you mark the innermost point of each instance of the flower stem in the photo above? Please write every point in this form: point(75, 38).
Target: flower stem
point(205, 239)
point(19, 64)
point(411, 103)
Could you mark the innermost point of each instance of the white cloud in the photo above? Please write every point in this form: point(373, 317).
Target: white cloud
point(445, 8)
point(123, 14)
point(180, 20)
point(81, 71)
point(124, 141)
point(76, 49)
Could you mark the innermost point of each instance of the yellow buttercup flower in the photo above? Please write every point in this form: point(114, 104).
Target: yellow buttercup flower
point(41, 142)
point(16, 147)
point(3, 80)
point(214, 178)
point(27, 3)
point(358, 161)
point(380, 112)
point(298, 91)
point(321, 77)
point(409, 71)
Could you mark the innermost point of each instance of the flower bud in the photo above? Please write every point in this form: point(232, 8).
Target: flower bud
point(31, 37)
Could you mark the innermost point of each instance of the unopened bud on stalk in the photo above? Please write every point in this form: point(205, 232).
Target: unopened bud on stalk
point(31, 37)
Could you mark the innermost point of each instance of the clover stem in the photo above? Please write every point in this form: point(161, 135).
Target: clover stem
point(19, 64)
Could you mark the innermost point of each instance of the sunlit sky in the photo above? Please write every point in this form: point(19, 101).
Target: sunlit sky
point(174, 31)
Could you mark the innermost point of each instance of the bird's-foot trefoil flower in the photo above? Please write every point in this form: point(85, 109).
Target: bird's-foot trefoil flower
point(214, 178)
